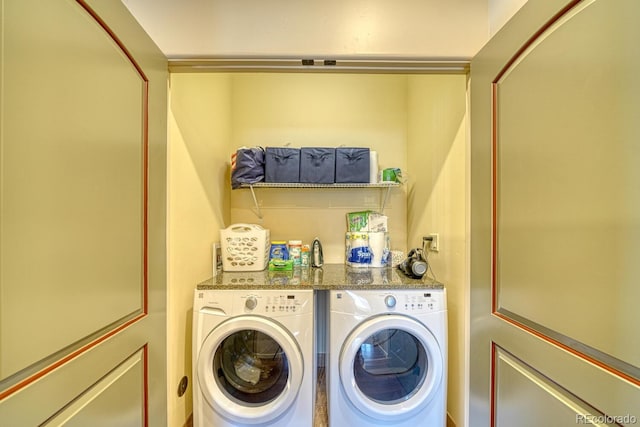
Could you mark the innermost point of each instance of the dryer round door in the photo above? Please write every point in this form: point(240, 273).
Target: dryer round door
point(391, 366)
point(250, 369)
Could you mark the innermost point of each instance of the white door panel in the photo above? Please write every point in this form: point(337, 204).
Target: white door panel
point(556, 216)
point(82, 165)
point(120, 388)
point(568, 200)
point(72, 185)
point(522, 391)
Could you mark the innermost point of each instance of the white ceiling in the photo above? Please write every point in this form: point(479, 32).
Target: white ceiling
point(425, 29)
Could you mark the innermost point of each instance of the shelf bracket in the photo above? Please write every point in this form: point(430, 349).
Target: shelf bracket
point(255, 202)
point(384, 201)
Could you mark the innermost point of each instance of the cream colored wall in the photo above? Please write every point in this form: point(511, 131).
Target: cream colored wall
point(406, 28)
point(416, 123)
point(325, 110)
point(438, 203)
point(199, 134)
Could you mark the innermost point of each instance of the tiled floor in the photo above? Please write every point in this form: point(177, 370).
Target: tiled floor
point(320, 419)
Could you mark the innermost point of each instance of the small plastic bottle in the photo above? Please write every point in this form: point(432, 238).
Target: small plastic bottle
point(295, 252)
point(305, 256)
point(279, 250)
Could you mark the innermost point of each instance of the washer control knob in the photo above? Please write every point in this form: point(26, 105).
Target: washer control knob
point(251, 303)
point(390, 301)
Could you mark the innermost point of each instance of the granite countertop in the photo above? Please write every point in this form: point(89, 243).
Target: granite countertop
point(329, 276)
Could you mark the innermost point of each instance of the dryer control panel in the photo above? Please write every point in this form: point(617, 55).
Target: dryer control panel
point(411, 302)
point(419, 303)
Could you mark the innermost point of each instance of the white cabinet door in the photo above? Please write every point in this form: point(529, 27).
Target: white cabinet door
point(82, 216)
point(555, 220)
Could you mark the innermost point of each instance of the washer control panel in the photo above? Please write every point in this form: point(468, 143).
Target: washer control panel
point(278, 303)
point(268, 302)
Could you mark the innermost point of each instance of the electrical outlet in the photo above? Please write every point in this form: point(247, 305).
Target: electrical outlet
point(434, 243)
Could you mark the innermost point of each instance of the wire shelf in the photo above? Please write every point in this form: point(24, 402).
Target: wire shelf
point(305, 185)
point(380, 185)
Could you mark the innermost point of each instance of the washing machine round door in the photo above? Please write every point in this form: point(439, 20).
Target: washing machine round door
point(250, 369)
point(391, 366)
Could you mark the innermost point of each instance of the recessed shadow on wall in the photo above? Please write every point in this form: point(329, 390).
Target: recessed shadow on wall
point(200, 105)
point(437, 120)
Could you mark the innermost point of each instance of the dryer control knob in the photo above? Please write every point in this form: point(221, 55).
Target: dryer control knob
point(251, 303)
point(390, 301)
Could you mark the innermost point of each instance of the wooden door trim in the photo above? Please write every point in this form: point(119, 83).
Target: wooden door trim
point(115, 38)
point(494, 143)
point(620, 372)
point(496, 349)
point(535, 37)
point(41, 373)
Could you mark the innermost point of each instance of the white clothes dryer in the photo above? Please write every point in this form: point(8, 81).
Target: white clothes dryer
point(387, 363)
point(253, 358)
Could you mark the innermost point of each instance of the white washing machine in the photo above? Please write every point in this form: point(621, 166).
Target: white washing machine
point(387, 363)
point(253, 358)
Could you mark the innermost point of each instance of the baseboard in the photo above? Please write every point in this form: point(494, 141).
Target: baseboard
point(450, 422)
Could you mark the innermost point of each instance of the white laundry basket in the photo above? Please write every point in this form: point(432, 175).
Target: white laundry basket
point(245, 247)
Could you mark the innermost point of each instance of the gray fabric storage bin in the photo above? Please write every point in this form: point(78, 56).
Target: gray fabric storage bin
point(282, 164)
point(352, 165)
point(247, 166)
point(317, 165)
